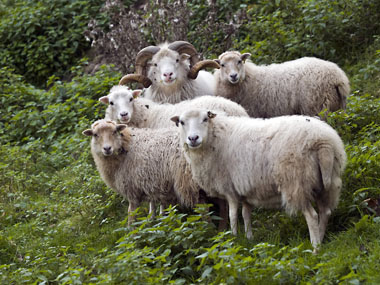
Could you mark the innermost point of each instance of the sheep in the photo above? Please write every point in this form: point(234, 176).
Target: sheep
point(171, 72)
point(288, 161)
point(142, 164)
point(126, 107)
point(304, 86)
point(120, 102)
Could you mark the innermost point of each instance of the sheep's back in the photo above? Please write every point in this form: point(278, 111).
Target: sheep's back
point(303, 86)
point(257, 157)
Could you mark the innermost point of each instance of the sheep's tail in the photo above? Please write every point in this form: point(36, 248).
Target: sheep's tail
point(343, 90)
point(326, 163)
point(330, 165)
point(341, 98)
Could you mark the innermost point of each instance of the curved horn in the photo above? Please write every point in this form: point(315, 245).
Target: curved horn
point(142, 57)
point(135, 78)
point(193, 72)
point(185, 47)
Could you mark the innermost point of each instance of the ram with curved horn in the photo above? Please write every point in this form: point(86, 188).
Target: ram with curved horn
point(172, 72)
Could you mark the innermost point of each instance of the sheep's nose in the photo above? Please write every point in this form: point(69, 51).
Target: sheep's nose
point(168, 74)
point(193, 138)
point(124, 114)
point(233, 76)
point(107, 148)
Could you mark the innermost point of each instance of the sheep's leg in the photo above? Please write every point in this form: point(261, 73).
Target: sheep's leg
point(162, 210)
point(152, 210)
point(233, 205)
point(311, 217)
point(324, 215)
point(247, 214)
point(131, 217)
point(223, 213)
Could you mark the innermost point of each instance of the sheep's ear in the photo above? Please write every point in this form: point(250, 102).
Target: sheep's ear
point(88, 132)
point(184, 56)
point(245, 56)
point(217, 61)
point(120, 127)
point(211, 115)
point(104, 100)
point(175, 119)
point(136, 93)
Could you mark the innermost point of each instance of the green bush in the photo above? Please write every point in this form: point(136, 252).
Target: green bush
point(29, 114)
point(284, 30)
point(366, 74)
point(360, 130)
point(361, 116)
point(42, 38)
point(214, 25)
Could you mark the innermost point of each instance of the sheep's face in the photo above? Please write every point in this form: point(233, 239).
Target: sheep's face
point(106, 137)
point(121, 104)
point(232, 66)
point(194, 126)
point(168, 68)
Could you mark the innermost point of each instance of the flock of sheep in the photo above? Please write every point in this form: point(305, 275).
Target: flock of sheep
point(246, 134)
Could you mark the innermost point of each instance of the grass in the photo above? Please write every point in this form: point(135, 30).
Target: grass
point(70, 228)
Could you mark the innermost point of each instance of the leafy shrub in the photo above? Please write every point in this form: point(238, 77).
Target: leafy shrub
point(28, 114)
point(160, 251)
point(48, 211)
point(284, 30)
point(179, 248)
point(358, 126)
point(366, 74)
point(7, 250)
point(361, 115)
point(214, 25)
point(42, 38)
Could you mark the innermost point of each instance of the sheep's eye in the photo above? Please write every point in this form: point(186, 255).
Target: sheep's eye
point(205, 120)
point(114, 132)
point(182, 122)
point(177, 60)
point(222, 65)
point(239, 62)
point(155, 64)
point(96, 136)
point(130, 100)
point(111, 103)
